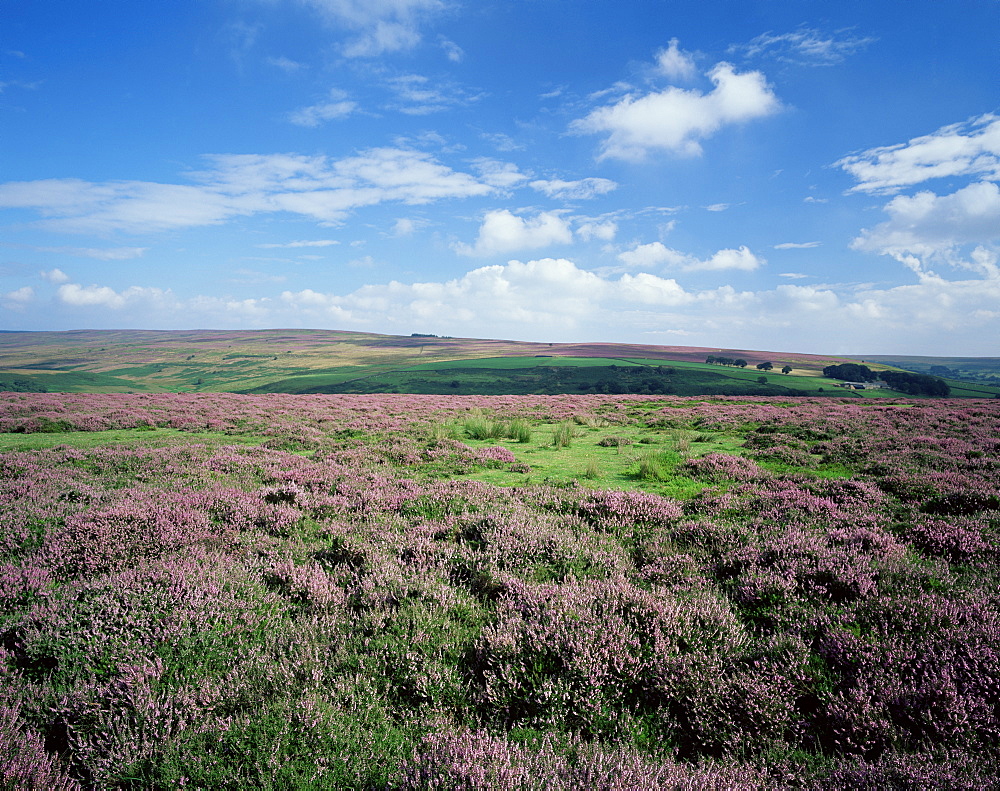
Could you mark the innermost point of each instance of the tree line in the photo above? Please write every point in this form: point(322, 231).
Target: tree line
point(903, 381)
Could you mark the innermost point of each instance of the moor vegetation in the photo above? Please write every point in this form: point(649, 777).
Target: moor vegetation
point(516, 592)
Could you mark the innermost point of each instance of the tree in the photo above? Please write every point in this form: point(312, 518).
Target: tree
point(764, 366)
point(916, 384)
point(786, 369)
point(851, 372)
point(710, 359)
point(762, 380)
point(740, 363)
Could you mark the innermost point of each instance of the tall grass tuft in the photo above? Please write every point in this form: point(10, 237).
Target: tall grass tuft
point(563, 435)
point(679, 441)
point(519, 430)
point(593, 470)
point(656, 465)
point(439, 431)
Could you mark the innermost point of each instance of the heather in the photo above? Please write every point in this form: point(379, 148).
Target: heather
point(509, 592)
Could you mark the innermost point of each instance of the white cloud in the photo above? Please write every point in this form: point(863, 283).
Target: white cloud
point(554, 299)
point(657, 254)
point(675, 64)
point(75, 294)
point(502, 175)
point(741, 259)
point(927, 224)
point(796, 245)
point(20, 295)
point(652, 256)
point(971, 148)
point(574, 190)
point(403, 227)
point(718, 207)
point(805, 46)
point(407, 226)
point(675, 119)
point(338, 106)
point(245, 184)
point(604, 231)
point(793, 275)
point(504, 232)
point(55, 276)
point(549, 292)
point(381, 25)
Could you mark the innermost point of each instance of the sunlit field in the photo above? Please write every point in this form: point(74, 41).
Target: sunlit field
point(498, 592)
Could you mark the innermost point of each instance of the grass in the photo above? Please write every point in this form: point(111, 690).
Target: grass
point(612, 466)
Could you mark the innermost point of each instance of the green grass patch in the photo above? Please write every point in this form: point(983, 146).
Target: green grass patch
point(588, 462)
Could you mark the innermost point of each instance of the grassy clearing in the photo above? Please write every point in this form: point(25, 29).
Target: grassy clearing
point(607, 457)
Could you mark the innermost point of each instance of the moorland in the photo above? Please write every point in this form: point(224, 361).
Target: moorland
point(329, 361)
point(582, 590)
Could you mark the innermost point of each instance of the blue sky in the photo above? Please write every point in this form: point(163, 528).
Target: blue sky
point(785, 175)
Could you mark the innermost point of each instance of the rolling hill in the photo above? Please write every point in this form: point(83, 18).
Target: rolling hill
point(304, 361)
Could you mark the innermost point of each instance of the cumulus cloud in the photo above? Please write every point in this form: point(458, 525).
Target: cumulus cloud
point(336, 107)
point(970, 148)
point(20, 295)
point(505, 232)
point(380, 26)
point(574, 190)
point(316, 187)
point(656, 254)
point(589, 230)
point(547, 292)
point(675, 64)
point(927, 224)
point(554, 299)
point(404, 226)
point(805, 46)
point(502, 175)
point(675, 119)
point(55, 276)
point(75, 294)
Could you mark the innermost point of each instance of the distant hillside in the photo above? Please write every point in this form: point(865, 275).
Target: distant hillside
point(978, 370)
point(288, 360)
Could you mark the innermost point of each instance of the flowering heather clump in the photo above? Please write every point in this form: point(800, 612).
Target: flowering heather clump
point(496, 456)
point(480, 762)
point(718, 467)
point(612, 509)
point(316, 592)
point(24, 763)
